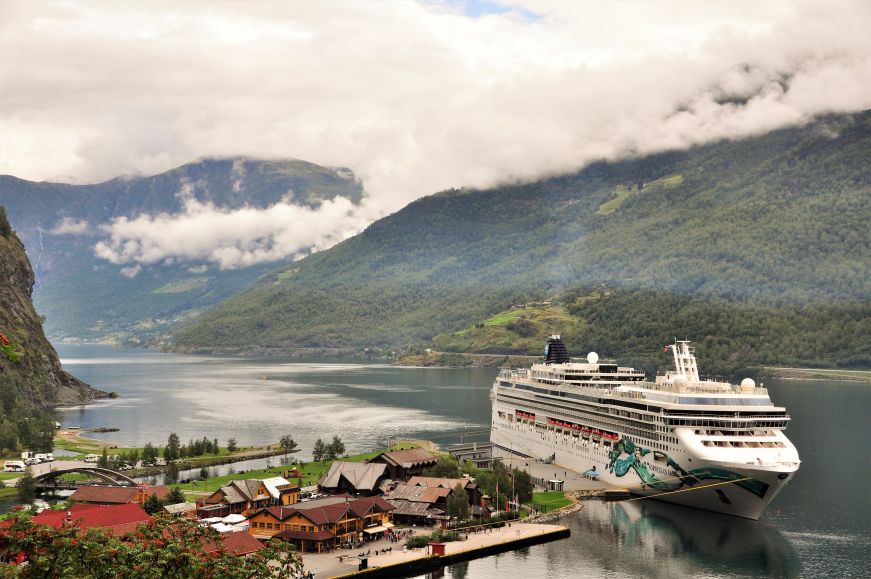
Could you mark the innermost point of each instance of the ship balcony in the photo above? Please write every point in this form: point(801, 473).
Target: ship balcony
point(769, 448)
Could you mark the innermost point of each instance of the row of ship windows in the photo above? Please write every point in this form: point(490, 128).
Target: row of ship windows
point(729, 424)
point(596, 421)
point(742, 444)
point(595, 413)
point(769, 433)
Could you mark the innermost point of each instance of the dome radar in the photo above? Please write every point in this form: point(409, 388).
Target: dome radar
point(592, 357)
point(748, 385)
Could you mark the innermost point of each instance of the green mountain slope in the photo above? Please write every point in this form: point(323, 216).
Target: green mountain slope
point(83, 296)
point(776, 221)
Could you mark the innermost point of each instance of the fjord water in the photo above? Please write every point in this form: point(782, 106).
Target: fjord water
point(820, 526)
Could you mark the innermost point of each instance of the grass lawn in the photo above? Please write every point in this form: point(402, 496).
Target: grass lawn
point(311, 472)
point(550, 500)
point(9, 475)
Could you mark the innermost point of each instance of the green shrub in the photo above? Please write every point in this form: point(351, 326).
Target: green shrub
point(417, 541)
point(5, 228)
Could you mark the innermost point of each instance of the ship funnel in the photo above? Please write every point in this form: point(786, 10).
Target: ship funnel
point(555, 351)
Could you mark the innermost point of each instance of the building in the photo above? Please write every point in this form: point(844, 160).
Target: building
point(237, 497)
point(418, 504)
point(282, 491)
point(356, 478)
point(404, 464)
point(239, 544)
point(112, 495)
point(479, 453)
point(118, 519)
point(186, 510)
point(449, 483)
point(322, 524)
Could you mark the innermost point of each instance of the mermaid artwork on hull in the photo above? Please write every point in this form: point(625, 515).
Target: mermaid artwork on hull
point(632, 461)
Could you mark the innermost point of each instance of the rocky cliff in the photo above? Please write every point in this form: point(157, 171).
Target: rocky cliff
point(29, 367)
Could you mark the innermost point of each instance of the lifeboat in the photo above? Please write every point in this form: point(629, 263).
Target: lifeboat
point(610, 436)
point(597, 433)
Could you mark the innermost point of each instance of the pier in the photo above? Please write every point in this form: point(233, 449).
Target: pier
point(543, 473)
point(346, 563)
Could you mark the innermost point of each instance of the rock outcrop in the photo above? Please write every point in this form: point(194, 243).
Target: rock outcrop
point(29, 367)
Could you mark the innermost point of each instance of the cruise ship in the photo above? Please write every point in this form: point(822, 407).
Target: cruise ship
point(705, 444)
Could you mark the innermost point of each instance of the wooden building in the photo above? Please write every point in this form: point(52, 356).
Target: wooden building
point(317, 525)
point(238, 497)
point(404, 464)
point(282, 491)
point(356, 478)
point(470, 487)
point(112, 495)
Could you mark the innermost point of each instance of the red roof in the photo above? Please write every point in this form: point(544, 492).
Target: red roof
point(107, 495)
point(240, 543)
point(118, 519)
point(110, 495)
point(331, 513)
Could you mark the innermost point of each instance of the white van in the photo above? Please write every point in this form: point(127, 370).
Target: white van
point(92, 458)
point(41, 457)
point(14, 466)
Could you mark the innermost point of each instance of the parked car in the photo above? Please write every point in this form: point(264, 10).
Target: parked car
point(41, 457)
point(31, 461)
point(14, 466)
point(93, 458)
point(125, 466)
point(49, 457)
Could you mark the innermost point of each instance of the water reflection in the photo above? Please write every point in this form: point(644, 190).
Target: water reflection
point(638, 535)
point(650, 539)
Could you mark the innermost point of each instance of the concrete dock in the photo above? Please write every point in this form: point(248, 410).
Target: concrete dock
point(572, 480)
point(344, 563)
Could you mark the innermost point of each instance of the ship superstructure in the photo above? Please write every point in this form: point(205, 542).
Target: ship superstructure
point(722, 446)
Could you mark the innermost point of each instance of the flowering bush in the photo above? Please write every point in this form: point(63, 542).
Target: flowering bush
point(165, 547)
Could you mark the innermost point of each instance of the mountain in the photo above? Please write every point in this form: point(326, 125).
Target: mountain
point(774, 222)
point(84, 296)
point(30, 373)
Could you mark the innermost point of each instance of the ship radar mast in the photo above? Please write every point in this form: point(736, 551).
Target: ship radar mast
point(685, 360)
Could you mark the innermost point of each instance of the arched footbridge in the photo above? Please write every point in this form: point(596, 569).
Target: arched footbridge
point(51, 480)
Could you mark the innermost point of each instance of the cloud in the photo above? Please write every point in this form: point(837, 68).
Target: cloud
point(131, 271)
point(228, 238)
point(414, 97)
point(70, 226)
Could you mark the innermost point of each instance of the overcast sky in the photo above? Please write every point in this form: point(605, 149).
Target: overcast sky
point(415, 97)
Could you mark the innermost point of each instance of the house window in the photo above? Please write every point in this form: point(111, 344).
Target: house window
point(268, 525)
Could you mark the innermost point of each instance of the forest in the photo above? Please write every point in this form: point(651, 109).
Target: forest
point(761, 242)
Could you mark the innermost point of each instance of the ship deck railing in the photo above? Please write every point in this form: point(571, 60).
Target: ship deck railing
point(706, 387)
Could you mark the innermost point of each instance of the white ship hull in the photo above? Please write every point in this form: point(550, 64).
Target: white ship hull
point(713, 494)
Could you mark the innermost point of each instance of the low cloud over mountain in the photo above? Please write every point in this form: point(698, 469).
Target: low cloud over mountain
point(414, 97)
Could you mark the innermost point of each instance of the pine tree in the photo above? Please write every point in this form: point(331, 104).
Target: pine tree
point(336, 448)
point(319, 451)
point(27, 487)
point(175, 496)
point(172, 447)
point(152, 504)
point(458, 503)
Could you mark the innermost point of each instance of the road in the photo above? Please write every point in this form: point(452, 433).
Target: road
point(42, 468)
